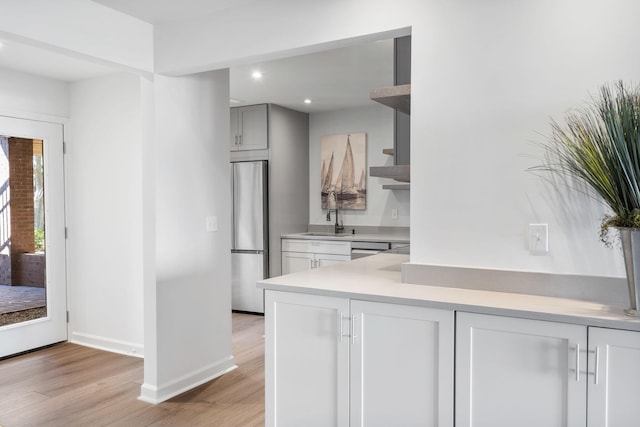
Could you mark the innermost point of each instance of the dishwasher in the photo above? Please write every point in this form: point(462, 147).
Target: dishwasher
point(363, 249)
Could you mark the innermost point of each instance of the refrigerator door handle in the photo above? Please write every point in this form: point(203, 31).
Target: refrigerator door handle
point(234, 201)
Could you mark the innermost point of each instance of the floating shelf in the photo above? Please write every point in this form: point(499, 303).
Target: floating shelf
point(398, 172)
point(396, 186)
point(398, 97)
point(389, 151)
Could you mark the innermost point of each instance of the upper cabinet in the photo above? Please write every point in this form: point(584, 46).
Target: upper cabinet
point(249, 128)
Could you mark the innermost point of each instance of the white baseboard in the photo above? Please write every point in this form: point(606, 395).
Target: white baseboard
point(157, 394)
point(107, 344)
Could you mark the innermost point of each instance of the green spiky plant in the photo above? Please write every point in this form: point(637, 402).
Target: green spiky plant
point(600, 146)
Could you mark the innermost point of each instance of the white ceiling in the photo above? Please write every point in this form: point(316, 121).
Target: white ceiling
point(157, 11)
point(333, 80)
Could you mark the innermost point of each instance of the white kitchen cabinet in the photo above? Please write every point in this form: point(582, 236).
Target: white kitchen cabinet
point(401, 365)
point(306, 360)
point(519, 372)
point(301, 255)
point(249, 128)
point(614, 362)
point(335, 362)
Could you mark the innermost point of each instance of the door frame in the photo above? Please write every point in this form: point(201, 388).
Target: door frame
point(52, 328)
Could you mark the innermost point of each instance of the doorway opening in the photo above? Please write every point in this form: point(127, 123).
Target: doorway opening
point(22, 231)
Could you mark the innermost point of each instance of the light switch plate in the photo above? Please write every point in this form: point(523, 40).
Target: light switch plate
point(212, 223)
point(538, 239)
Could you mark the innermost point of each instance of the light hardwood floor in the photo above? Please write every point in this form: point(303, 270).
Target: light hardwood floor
point(71, 385)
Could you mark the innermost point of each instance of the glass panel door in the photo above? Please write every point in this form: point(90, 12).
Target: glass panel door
point(32, 242)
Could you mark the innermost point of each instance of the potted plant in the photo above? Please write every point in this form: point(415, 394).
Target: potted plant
point(599, 146)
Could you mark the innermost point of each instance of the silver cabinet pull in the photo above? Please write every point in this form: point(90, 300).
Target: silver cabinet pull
point(596, 376)
point(353, 330)
point(578, 362)
point(340, 317)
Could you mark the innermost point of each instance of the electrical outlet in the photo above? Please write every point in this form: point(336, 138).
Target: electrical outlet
point(538, 239)
point(394, 213)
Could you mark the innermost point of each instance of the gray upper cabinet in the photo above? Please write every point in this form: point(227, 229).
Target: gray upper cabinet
point(249, 128)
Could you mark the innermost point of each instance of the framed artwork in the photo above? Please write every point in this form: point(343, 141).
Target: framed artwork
point(343, 177)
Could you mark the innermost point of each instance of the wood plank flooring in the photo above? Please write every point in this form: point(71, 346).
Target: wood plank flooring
point(70, 385)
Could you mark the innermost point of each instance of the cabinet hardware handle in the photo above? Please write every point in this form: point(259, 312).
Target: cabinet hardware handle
point(596, 373)
point(577, 362)
point(240, 139)
point(340, 317)
point(353, 330)
point(311, 263)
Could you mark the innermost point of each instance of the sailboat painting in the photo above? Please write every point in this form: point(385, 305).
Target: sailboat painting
point(343, 176)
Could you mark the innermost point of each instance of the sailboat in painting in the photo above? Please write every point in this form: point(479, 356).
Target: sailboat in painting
point(345, 185)
point(348, 190)
point(362, 185)
point(326, 177)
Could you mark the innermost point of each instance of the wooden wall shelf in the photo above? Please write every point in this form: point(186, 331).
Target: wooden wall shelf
point(398, 172)
point(396, 186)
point(398, 97)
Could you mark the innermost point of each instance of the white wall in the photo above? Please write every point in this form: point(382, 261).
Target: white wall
point(486, 77)
point(34, 97)
point(377, 122)
point(193, 286)
point(485, 90)
point(104, 213)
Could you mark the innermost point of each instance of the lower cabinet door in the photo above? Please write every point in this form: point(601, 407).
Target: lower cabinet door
point(324, 260)
point(306, 360)
point(293, 262)
point(614, 376)
point(401, 365)
point(518, 372)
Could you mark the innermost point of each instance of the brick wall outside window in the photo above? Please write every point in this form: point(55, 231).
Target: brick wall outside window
point(21, 203)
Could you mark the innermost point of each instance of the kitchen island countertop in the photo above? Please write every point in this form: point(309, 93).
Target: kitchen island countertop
point(378, 278)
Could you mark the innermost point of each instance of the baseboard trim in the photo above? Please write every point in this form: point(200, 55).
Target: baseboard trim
point(152, 394)
point(107, 344)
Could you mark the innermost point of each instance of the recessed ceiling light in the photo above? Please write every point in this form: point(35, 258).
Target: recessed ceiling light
point(307, 101)
point(1, 44)
point(257, 75)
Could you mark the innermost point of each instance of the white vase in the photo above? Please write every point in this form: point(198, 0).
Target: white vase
point(630, 238)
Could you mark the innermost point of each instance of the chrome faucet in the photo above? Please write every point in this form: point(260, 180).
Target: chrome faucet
point(338, 228)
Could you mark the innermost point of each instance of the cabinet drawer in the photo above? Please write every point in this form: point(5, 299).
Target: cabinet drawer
point(317, 246)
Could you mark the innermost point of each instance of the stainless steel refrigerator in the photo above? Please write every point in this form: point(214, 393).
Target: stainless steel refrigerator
point(250, 235)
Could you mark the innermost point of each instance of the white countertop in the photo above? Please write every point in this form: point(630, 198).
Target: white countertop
point(348, 237)
point(378, 278)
